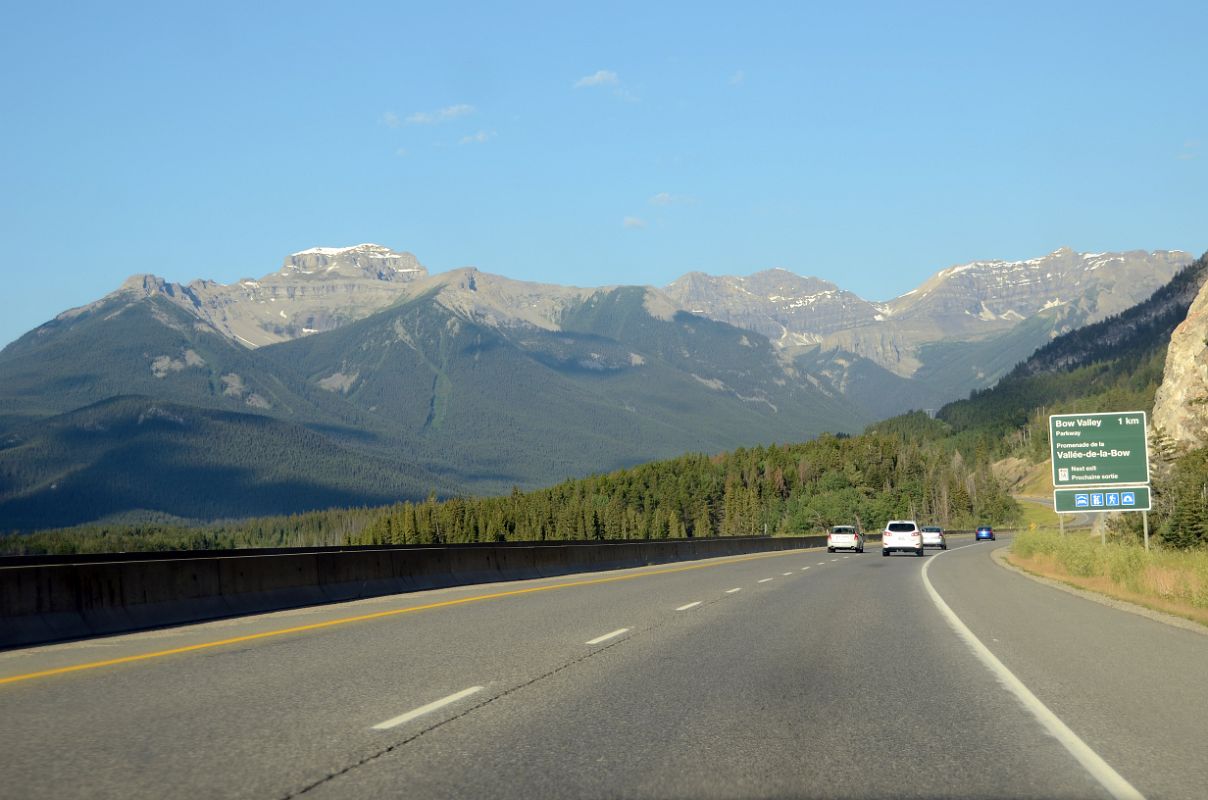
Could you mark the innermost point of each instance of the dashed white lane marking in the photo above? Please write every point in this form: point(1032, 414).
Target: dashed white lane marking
point(607, 636)
point(763, 580)
point(822, 563)
point(735, 589)
point(688, 606)
point(847, 556)
point(834, 559)
point(786, 574)
point(428, 709)
point(803, 569)
point(1091, 761)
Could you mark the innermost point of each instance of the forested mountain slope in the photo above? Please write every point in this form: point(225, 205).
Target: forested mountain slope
point(518, 404)
point(1115, 364)
point(135, 457)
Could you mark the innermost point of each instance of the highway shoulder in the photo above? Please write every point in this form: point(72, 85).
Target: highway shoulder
point(1000, 558)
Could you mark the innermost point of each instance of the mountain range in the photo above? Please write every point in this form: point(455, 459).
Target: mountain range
point(352, 375)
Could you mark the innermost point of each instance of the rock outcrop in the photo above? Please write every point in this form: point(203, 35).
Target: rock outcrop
point(964, 302)
point(1181, 405)
point(316, 290)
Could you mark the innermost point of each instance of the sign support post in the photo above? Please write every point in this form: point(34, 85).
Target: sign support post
point(1145, 525)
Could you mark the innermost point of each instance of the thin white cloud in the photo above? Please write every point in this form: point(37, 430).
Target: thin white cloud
point(477, 138)
point(391, 120)
point(633, 222)
point(737, 78)
point(602, 77)
point(669, 199)
point(440, 115)
point(606, 79)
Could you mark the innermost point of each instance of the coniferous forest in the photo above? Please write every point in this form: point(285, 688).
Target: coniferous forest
point(906, 470)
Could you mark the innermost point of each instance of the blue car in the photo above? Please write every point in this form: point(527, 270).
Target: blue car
point(984, 532)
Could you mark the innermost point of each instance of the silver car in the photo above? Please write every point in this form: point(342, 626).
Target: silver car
point(845, 537)
point(933, 536)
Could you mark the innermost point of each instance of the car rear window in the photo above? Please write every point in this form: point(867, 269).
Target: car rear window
point(843, 529)
point(901, 527)
point(933, 529)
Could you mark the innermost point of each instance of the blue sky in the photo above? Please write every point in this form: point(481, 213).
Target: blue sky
point(866, 143)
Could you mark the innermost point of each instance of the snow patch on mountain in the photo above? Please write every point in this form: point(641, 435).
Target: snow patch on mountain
point(369, 249)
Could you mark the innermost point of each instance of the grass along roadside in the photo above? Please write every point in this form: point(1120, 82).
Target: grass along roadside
point(1173, 581)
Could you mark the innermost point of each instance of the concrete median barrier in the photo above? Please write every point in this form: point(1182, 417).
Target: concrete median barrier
point(57, 600)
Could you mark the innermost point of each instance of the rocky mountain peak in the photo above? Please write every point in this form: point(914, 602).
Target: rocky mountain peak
point(780, 281)
point(997, 291)
point(358, 261)
point(315, 290)
point(502, 302)
point(788, 308)
point(143, 284)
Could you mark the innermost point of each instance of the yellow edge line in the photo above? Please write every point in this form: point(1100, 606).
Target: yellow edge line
point(376, 615)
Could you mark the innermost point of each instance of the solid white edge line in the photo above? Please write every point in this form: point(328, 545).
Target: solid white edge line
point(428, 709)
point(763, 580)
point(1091, 761)
point(735, 589)
point(688, 606)
point(607, 636)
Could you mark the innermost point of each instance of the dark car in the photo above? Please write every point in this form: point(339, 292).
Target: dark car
point(984, 532)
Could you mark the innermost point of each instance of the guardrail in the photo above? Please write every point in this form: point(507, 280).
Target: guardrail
point(51, 598)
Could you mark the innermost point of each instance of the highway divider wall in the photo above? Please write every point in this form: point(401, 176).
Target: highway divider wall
point(45, 599)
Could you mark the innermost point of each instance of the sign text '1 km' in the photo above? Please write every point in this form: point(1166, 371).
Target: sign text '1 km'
point(1099, 449)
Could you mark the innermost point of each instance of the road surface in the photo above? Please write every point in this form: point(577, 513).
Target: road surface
point(796, 674)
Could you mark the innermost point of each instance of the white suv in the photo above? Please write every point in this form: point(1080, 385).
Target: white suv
point(845, 537)
point(902, 534)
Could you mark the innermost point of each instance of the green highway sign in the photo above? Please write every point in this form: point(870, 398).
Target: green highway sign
point(1111, 498)
point(1099, 449)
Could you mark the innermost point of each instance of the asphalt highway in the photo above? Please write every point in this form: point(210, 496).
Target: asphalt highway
point(799, 674)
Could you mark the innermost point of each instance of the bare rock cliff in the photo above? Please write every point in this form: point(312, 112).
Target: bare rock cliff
point(1181, 405)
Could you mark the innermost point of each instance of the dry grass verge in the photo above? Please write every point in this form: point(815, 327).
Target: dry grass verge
point(1175, 582)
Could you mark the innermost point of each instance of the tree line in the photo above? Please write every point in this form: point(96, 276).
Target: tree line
point(906, 470)
point(777, 489)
